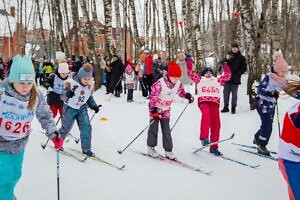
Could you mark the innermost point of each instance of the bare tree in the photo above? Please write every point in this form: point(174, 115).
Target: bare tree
point(166, 26)
point(137, 39)
point(247, 9)
point(108, 27)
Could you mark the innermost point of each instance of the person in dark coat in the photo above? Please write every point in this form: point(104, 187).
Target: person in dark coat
point(117, 70)
point(158, 69)
point(238, 66)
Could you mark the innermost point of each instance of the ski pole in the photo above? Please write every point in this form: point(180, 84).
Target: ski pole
point(44, 145)
point(121, 151)
point(179, 116)
point(57, 171)
point(278, 122)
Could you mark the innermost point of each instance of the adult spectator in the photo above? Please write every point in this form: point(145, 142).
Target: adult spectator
point(117, 70)
point(238, 66)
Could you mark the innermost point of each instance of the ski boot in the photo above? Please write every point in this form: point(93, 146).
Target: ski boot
point(170, 155)
point(152, 152)
point(216, 152)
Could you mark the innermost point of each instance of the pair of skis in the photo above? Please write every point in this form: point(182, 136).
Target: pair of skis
point(223, 156)
point(271, 157)
point(177, 163)
point(77, 155)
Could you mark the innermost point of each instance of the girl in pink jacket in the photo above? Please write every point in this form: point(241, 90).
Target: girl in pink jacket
point(209, 88)
point(161, 97)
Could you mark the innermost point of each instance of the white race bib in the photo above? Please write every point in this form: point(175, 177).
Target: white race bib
point(15, 118)
point(82, 94)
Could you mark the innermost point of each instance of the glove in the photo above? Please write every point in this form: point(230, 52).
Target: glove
point(276, 94)
point(70, 94)
point(58, 141)
point(97, 108)
point(189, 97)
point(155, 114)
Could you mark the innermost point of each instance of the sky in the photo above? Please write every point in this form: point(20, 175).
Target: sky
point(148, 179)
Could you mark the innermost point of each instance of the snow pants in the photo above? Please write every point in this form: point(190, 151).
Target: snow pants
point(55, 109)
point(210, 121)
point(82, 118)
point(10, 173)
point(266, 111)
point(166, 134)
point(290, 171)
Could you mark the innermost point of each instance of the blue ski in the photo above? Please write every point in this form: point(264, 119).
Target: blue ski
point(250, 147)
point(258, 154)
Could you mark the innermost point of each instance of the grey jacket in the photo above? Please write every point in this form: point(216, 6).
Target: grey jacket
point(43, 115)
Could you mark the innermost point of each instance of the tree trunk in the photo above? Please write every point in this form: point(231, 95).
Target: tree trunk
point(75, 19)
point(247, 8)
point(137, 38)
point(275, 26)
point(108, 27)
point(166, 26)
point(61, 36)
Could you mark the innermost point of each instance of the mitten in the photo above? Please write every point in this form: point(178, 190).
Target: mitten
point(276, 94)
point(70, 94)
point(97, 108)
point(189, 97)
point(155, 114)
point(189, 64)
point(58, 141)
point(270, 94)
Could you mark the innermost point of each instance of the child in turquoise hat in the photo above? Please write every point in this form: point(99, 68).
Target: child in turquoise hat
point(20, 101)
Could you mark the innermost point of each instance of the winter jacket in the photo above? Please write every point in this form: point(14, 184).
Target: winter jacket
point(148, 64)
point(42, 112)
point(158, 70)
point(162, 94)
point(54, 84)
point(83, 94)
point(209, 88)
point(289, 143)
point(238, 66)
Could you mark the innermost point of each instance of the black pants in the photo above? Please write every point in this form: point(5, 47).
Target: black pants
point(166, 134)
point(130, 94)
point(143, 85)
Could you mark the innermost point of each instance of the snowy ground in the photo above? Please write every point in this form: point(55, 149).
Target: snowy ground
point(148, 179)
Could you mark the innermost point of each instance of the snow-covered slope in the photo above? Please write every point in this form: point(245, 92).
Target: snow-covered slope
point(148, 179)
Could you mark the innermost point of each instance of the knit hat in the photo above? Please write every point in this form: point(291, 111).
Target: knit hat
point(279, 63)
point(234, 44)
point(63, 68)
point(85, 71)
point(206, 69)
point(21, 70)
point(174, 69)
point(128, 68)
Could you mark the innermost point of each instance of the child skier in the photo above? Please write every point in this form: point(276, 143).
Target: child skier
point(266, 100)
point(20, 101)
point(130, 78)
point(289, 143)
point(209, 88)
point(55, 84)
point(161, 97)
point(77, 96)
